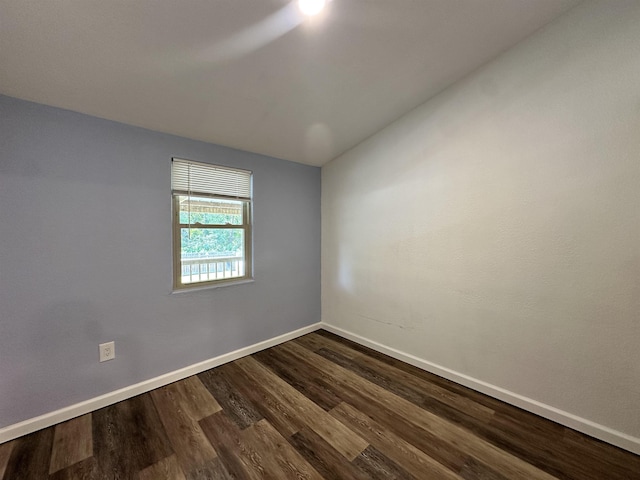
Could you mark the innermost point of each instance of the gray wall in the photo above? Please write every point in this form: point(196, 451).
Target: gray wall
point(85, 258)
point(495, 230)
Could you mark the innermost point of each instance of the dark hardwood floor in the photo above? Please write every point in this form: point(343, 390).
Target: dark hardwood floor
point(319, 407)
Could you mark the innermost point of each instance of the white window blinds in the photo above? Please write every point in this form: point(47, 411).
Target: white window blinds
point(191, 178)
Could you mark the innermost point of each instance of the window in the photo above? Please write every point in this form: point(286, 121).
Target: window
point(211, 224)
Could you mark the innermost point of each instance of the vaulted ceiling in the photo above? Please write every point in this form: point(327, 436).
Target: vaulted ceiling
point(255, 74)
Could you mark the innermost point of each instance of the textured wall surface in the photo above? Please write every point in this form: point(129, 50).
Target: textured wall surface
point(495, 230)
point(85, 258)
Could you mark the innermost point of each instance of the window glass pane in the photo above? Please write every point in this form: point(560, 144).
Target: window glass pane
point(211, 254)
point(210, 211)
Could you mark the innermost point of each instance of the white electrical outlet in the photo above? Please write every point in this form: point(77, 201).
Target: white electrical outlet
point(107, 351)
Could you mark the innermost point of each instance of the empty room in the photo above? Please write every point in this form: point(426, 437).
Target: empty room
point(320, 239)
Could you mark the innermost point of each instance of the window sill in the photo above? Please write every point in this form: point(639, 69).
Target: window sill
point(211, 287)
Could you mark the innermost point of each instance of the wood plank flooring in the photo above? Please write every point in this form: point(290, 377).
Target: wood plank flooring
point(317, 408)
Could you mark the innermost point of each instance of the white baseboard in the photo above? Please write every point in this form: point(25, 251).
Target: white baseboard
point(583, 425)
point(567, 419)
point(49, 419)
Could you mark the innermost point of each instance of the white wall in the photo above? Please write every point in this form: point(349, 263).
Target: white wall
point(495, 230)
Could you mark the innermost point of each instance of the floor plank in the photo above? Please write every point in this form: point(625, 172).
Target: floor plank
point(269, 406)
point(30, 456)
point(475, 470)
point(5, 454)
point(166, 469)
point(414, 460)
point(241, 459)
point(280, 459)
point(599, 460)
point(425, 441)
point(72, 442)
point(197, 399)
point(86, 469)
point(298, 378)
point(236, 406)
point(422, 419)
point(401, 383)
point(341, 438)
point(324, 458)
point(213, 470)
point(128, 437)
point(439, 450)
point(477, 397)
point(191, 446)
point(379, 466)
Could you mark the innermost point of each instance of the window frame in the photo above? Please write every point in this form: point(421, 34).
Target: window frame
point(177, 226)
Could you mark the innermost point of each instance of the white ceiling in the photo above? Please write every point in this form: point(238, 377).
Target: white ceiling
point(252, 74)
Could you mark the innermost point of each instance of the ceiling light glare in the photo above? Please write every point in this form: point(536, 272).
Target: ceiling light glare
point(311, 7)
